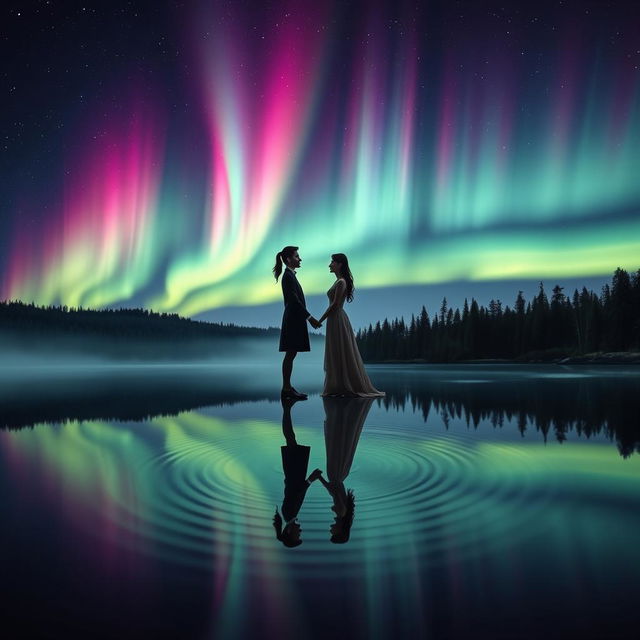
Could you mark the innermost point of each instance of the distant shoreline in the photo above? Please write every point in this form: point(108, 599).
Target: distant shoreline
point(612, 358)
point(124, 334)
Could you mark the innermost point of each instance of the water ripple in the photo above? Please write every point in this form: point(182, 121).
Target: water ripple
point(426, 499)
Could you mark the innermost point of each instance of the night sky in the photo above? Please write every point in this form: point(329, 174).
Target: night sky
point(159, 154)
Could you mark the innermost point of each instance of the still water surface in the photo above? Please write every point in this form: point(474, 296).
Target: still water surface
point(490, 501)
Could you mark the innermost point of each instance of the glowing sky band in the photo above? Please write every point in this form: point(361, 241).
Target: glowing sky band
point(420, 170)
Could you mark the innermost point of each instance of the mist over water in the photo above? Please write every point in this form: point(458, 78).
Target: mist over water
point(18, 352)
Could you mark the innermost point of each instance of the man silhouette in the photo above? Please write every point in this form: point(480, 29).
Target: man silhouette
point(294, 336)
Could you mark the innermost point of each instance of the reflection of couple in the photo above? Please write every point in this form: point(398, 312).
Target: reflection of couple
point(344, 372)
point(344, 418)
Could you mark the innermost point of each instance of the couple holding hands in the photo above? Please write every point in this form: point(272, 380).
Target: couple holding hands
point(344, 372)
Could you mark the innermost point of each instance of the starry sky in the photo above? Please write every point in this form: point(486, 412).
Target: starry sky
point(159, 154)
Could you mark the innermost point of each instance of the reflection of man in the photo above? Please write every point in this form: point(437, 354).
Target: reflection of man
point(295, 460)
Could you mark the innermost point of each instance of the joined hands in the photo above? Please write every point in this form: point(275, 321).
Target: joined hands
point(314, 323)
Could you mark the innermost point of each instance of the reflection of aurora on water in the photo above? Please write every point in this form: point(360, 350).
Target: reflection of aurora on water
point(553, 400)
point(423, 165)
point(197, 491)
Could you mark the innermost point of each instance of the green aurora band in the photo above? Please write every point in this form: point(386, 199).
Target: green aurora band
point(422, 168)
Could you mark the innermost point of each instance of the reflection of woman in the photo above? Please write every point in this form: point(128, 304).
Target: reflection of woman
point(344, 418)
point(344, 372)
point(295, 459)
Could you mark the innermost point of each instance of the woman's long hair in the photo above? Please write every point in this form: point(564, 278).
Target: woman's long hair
point(345, 273)
point(284, 535)
point(346, 520)
point(282, 256)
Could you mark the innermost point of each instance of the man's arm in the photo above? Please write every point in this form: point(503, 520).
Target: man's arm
point(291, 298)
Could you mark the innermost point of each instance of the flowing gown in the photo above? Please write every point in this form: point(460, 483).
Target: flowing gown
point(344, 419)
point(344, 372)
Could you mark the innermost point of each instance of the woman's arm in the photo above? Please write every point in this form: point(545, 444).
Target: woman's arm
point(338, 292)
point(327, 485)
point(315, 474)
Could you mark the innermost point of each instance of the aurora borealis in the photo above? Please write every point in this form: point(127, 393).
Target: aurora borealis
point(444, 142)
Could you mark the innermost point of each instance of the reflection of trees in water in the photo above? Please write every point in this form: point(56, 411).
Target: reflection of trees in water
point(587, 406)
point(125, 397)
point(108, 408)
point(552, 406)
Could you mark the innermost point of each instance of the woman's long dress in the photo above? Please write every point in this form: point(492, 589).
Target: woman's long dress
point(344, 419)
point(344, 372)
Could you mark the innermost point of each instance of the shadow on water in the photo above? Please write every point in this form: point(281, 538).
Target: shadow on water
point(552, 401)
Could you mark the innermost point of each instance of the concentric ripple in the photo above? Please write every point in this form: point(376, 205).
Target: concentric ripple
point(419, 498)
point(448, 494)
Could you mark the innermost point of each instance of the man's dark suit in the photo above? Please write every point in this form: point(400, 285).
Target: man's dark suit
point(295, 460)
point(294, 335)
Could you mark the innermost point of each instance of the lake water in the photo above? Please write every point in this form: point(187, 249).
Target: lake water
point(491, 501)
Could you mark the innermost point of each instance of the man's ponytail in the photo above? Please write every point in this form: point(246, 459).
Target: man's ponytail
point(282, 257)
point(277, 270)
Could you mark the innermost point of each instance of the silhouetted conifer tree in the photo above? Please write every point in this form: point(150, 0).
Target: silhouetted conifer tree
point(581, 324)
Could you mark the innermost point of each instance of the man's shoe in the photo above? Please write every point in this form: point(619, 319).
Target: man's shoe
point(293, 394)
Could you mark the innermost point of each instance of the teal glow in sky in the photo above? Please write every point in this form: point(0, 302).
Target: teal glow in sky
point(427, 145)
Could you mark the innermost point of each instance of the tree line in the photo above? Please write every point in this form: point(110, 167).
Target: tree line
point(542, 328)
point(139, 324)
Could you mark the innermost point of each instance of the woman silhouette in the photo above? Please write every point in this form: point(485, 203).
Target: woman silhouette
point(344, 372)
